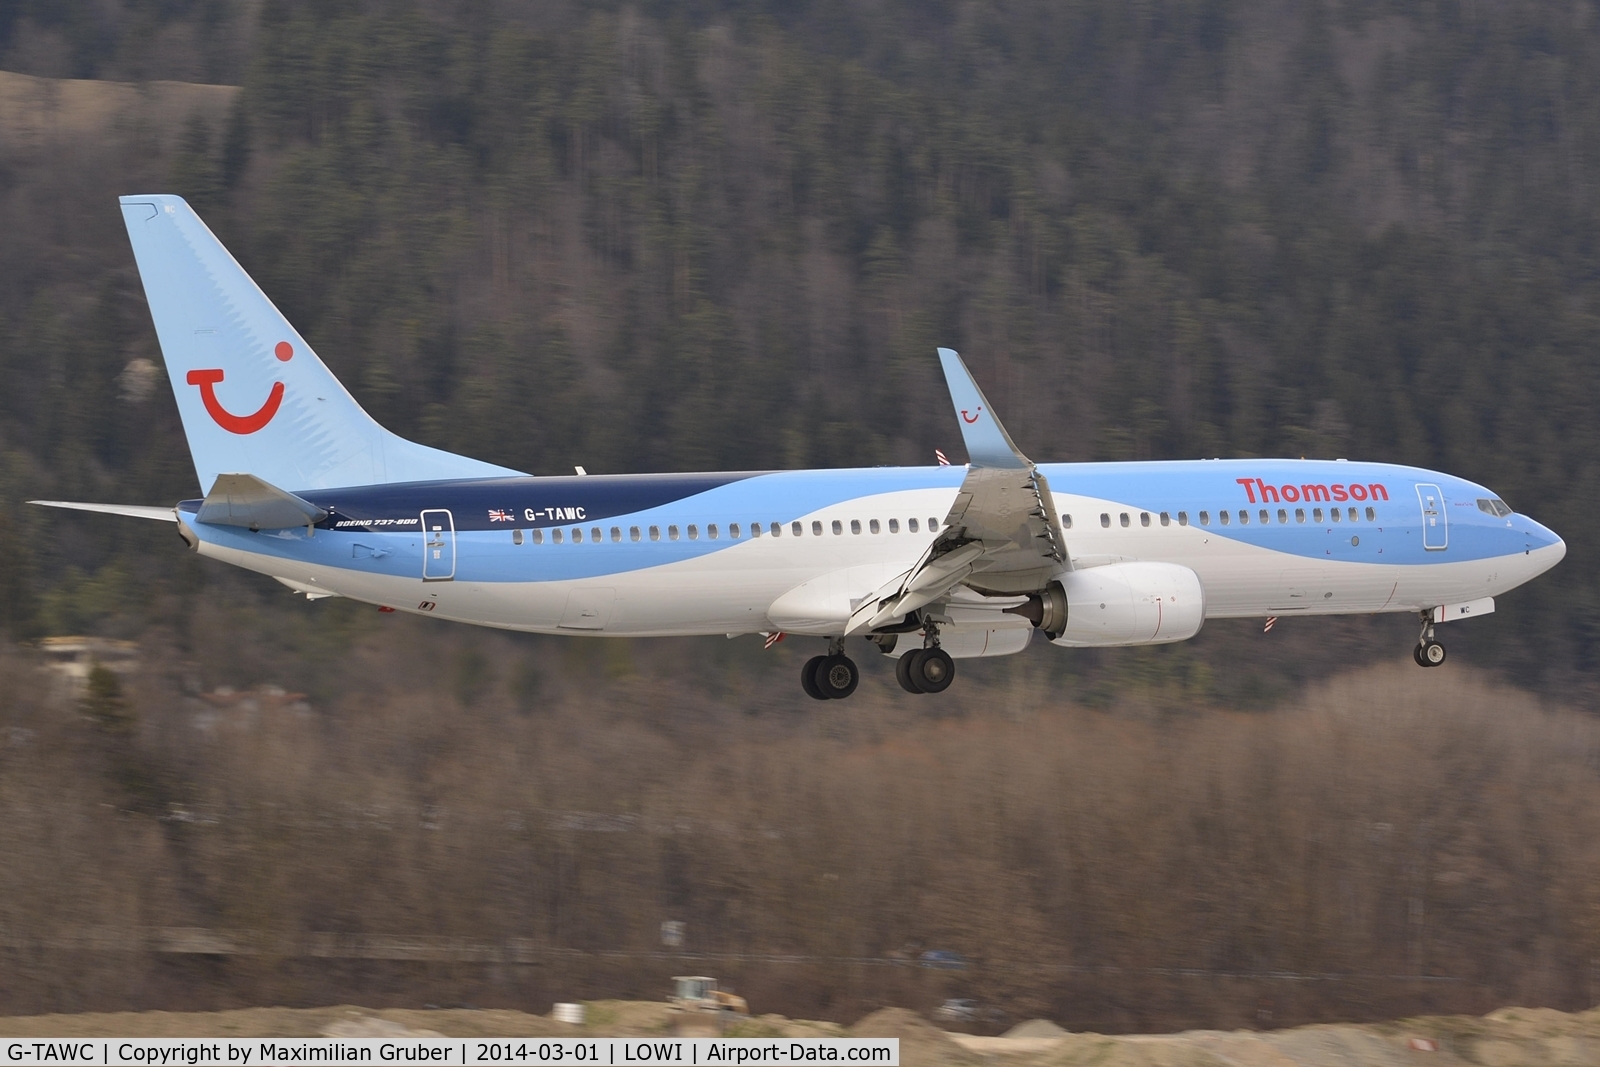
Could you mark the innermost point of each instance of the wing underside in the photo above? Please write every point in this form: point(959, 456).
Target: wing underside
point(1001, 537)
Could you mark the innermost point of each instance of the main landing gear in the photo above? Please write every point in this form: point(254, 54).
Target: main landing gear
point(834, 676)
point(929, 669)
point(830, 677)
point(1428, 653)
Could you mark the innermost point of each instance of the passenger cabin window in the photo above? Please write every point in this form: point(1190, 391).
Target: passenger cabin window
point(655, 533)
point(1066, 522)
point(516, 537)
point(795, 527)
point(933, 525)
point(1265, 518)
point(1333, 513)
point(555, 536)
point(616, 533)
point(894, 525)
point(594, 534)
point(672, 533)
point(711, 530)
point(1226, 517)
point(733, 531)
point(838, 527)
point(1244, 517)
point(577, 535)
point(1205, 518)
point(1299, 514)
point(633, 533)
point(1123, 518)
point(1372, 515)
point(1166, 520)
point(1183, 518)
point(1283, 517)
point(873, 525)
point(816, 528)
point(1316, 514)
point(911, 525)
point(855, 526)
point(1144, 518)
point(1105, 520)
point(694, 532)
point(538, 537)
point(755, 529)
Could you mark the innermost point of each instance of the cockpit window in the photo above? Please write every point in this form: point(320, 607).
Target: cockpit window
point(1494, 506)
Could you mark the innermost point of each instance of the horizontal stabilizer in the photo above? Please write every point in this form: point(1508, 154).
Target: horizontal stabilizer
point(245, 500)
point(137, 511)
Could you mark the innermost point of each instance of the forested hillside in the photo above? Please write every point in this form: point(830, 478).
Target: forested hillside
point(729, 235)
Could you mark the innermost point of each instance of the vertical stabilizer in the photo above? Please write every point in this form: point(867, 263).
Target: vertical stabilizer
point(254, 397)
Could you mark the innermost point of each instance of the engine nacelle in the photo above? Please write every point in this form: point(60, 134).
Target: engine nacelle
point(1119, 604)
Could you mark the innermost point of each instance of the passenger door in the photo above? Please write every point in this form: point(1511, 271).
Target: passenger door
point(1435, 523)
point(438, 546)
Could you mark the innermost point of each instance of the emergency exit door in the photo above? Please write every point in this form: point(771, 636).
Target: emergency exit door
point(438, 546)
point(1435, 523)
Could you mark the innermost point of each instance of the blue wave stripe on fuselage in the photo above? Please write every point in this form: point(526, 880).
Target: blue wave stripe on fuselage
point(485, 551)
point(1394, 537)
point(486, 554)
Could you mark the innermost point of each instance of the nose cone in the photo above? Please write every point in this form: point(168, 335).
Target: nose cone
point(1540, 543)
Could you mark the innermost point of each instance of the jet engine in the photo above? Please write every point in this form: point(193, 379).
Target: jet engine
point(1119, 604)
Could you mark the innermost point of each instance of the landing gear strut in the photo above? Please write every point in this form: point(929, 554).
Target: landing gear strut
point(830, 677)
point(929, 669)
point(1428, 653)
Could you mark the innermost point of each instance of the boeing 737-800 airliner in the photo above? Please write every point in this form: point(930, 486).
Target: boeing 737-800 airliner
point(928, 564)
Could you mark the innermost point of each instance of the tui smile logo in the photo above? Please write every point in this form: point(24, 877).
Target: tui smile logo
point(973, 417)
point(241, 424)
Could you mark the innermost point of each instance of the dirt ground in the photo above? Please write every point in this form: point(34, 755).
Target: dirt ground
point(1511, 1037)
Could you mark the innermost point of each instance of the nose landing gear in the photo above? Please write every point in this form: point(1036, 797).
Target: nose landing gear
point(1429, 652)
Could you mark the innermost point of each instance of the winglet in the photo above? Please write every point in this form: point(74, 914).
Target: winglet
point(988, 444)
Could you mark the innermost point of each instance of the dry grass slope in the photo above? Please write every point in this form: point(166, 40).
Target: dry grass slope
point(35, 112)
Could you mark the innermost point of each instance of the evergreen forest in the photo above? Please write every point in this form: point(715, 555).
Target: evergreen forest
point(708, 235)
point(702, 235)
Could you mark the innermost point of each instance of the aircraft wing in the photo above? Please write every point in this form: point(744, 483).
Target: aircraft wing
point(138, 511)
point(1001, 537)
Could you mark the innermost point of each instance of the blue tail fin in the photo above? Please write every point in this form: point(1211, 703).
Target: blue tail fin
point(254, 397)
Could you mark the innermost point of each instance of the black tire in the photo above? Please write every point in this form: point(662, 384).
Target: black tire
point(904, 670)
point(836, 677)
point(1431, 654)
point(808, 678)
point(934, 670)
point(1416, 657)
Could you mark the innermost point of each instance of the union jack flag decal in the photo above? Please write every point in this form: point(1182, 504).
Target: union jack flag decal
point(499, 515)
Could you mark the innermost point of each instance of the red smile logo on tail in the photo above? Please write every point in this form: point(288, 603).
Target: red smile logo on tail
point(973, 417)
point(241, 424)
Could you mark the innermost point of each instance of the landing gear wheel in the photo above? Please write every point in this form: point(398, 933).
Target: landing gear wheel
point(903, 669)
point(836, 677)
point(808, 678)
point(933, 670)
point(1430, 653)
